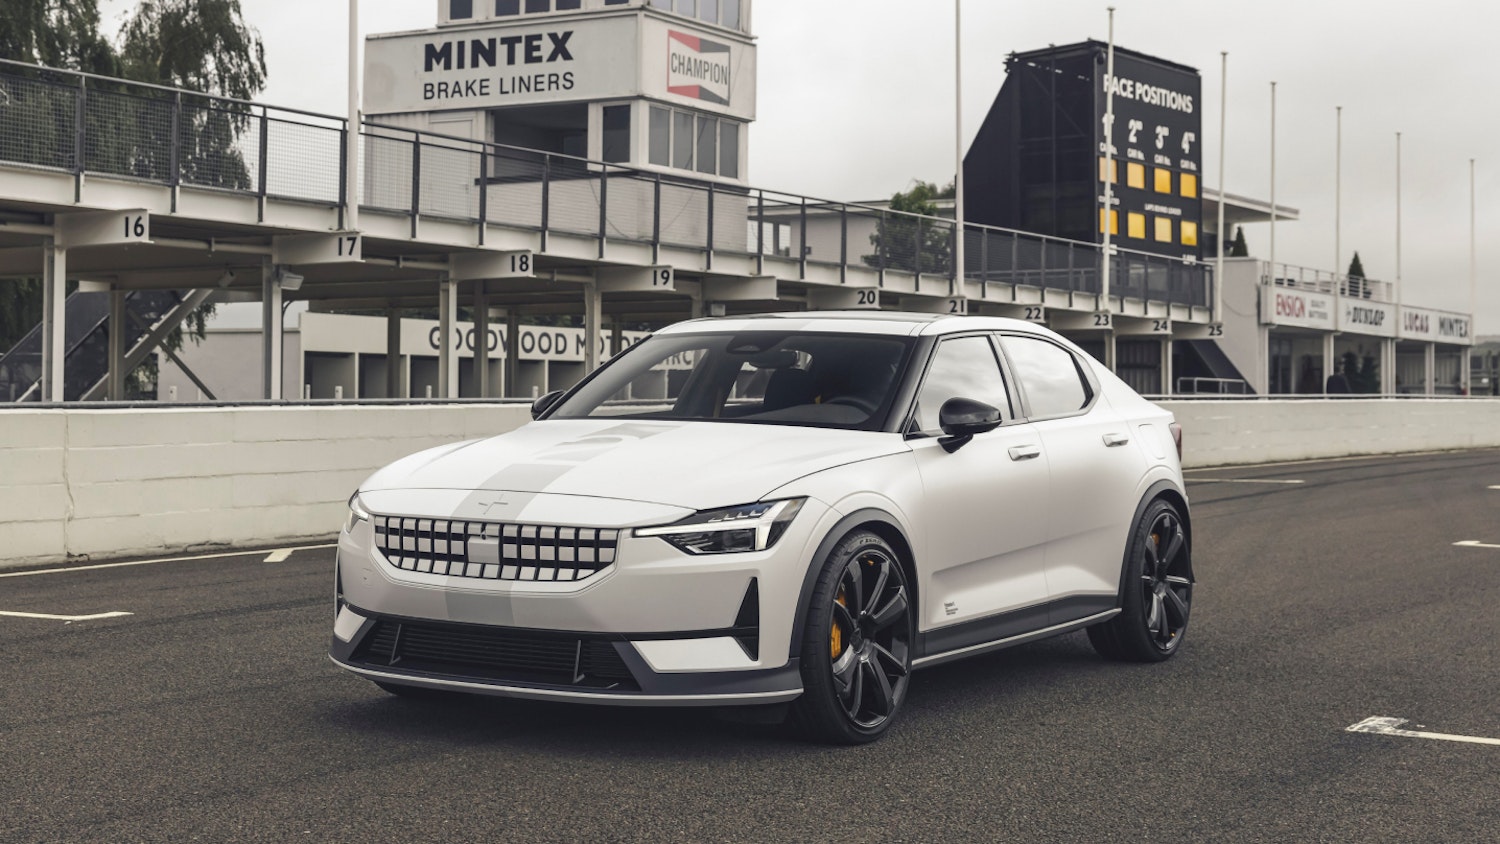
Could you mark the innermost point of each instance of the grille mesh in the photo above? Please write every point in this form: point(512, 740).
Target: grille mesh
point(495, 653)
point(493, 550)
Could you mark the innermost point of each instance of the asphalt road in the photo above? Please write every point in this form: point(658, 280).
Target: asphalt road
point(211, 713)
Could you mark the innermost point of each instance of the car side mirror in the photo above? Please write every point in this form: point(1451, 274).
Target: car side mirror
point(962, 418)
point(545, 403)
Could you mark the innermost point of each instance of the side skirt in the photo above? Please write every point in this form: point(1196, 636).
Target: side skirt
point(1010, 641)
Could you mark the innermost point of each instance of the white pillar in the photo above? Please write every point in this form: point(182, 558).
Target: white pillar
point(481, 340)
point(1329, 360)
point(54, 320)
point(393, 354)
point(1109, 187)
point(447, 357)
point(117, 328)
point(1429, 368)
point(593, 306)
point(1388, 367)
point(1218, 309)
point(270, 322)
point(351, 135)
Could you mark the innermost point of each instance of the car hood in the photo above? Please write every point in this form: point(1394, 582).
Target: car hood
point(686, 464)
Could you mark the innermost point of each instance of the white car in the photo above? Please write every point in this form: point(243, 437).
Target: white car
point(794, 509)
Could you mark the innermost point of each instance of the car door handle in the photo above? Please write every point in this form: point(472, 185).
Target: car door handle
point(1025, 452)
point(1112, 440)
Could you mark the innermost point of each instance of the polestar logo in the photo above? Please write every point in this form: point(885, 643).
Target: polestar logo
point(499, 502)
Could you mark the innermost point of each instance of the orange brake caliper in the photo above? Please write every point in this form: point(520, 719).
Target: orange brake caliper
point(836, 633)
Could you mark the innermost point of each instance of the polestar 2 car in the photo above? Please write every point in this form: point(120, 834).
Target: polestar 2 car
point(789, 510)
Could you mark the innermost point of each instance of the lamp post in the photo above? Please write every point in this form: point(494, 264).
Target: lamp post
point(958, 150)
point(351, 135)
point(1218, 309)
point(1273, 183)
point(1109, 162)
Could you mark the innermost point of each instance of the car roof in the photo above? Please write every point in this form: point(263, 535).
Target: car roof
point(854, 322)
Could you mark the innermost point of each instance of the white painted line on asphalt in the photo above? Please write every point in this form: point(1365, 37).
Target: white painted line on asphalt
point(1392, 727)
point(1474, 543)
point(1241, 481)
point(68, 618)
point(1496, 486)
point(70, 569)
point(279, 555)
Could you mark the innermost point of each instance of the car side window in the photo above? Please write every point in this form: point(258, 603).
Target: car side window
point(1049, 375)
point(961, 367)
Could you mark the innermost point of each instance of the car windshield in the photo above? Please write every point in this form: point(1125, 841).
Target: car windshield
point(760, 377)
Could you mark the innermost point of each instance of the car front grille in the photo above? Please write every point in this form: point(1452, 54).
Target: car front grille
point(496, 653)
point(494, 550)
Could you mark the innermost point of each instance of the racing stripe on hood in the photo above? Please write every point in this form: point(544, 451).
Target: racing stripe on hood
point(550, 465)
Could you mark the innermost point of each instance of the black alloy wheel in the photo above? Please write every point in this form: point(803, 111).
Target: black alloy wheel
point(856, 648)
point(1158, 591)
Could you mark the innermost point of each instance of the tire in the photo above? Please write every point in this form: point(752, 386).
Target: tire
point(856, 645)
point(1156, 593)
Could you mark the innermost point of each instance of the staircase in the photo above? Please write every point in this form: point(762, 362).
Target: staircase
point(85, 342)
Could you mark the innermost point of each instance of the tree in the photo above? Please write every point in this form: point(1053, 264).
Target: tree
point(198, 45)
point(56, 33)
point(904, 242)
point(1354, 284)
point(1239, 249)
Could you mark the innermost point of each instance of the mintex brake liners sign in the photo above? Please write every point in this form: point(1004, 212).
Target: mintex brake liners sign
point(697, 68)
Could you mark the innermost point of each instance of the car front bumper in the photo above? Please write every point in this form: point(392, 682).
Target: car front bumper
point(655, 627)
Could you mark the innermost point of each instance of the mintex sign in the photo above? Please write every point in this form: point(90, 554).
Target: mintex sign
point(485, 67)
point(1284, 306)
point(1436, 326)
point(698, 68)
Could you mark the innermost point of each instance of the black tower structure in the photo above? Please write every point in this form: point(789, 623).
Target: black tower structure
point(1038, 163)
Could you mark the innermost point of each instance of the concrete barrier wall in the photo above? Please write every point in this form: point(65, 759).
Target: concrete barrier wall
point(113, 483)
point(1224, 433)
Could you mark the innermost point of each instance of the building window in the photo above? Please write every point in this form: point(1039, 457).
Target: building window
point(661, 136)
point(686, 140)
point(615, 2)
point(708, 137)
point(1163, 229)
point(716, 12)
point(682, 140)
point(460, 9)
point(504, 8)
point(569, 5)
point(1163, 180)
point(729, 149)
point(1190, 185)
point(1135, 225)
point(1135, 175)
point(1189, 233)
point(537, 7)
point(616, 133)
point(1113, 221)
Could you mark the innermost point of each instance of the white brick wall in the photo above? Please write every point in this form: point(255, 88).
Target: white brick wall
point(115, 483)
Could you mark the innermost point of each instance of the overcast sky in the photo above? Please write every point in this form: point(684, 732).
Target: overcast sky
point(856, 100)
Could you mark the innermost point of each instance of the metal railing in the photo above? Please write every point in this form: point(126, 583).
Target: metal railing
point(64, 120)
point(1323, 281)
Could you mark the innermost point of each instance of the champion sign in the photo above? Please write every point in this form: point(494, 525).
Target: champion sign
point(697, 68)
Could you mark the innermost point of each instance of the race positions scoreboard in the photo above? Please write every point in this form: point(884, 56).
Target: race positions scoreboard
point(1157, 159)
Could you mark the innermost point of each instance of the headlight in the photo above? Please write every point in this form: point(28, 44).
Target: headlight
point(357, 513)
point(748, 527)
